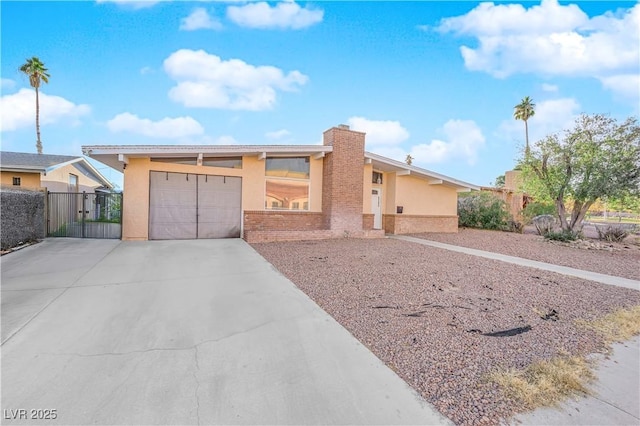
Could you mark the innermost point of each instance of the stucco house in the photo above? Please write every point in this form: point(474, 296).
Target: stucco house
point(276, 192)
point(56, 173)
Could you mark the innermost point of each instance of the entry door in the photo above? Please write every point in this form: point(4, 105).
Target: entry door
point(376, 208)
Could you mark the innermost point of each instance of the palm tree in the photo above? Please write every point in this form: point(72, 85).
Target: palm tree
point(37, 73)
point(524, 111)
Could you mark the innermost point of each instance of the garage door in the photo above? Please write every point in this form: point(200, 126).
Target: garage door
point(188, 206)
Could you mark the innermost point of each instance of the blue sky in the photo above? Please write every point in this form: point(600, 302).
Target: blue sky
point(437, 80)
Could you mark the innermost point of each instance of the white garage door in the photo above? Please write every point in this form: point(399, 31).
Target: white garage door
point(187, 206)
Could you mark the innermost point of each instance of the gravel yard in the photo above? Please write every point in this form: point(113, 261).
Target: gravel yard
point(622, 260)
point(428, 313)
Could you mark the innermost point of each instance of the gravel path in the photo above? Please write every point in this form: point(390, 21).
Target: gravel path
point(425, 312)
point(622, 260)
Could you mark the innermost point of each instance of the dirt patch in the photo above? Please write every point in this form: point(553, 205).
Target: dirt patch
point(621, 260)
point(446, 321)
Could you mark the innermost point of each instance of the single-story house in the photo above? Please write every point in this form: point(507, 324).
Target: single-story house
point(276, 192)
point(56, 173)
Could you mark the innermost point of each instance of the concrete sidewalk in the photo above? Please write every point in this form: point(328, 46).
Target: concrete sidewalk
point(181, 332)
point(564, 270)
point(616, 392)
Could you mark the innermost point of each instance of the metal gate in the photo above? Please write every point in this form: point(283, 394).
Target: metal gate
point(84, 215)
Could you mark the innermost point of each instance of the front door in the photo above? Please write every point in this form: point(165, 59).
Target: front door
point(376, 208)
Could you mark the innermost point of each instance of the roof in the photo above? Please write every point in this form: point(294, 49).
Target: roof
point(385, 164)
point(44, 163)
point(116, 156)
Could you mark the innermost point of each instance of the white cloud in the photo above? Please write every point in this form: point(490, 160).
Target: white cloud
point(277, 134)
point(549, 87)
point(206, 81)
point(7, 83)
point(133, 4)
point(624, 85)
point(463, 141)
point(284, 15)
point(167, 128)
point(146, 70)
point(198, 20)
point(18, 110)
point(379, 132)
point(549, 39)
point(552, 116)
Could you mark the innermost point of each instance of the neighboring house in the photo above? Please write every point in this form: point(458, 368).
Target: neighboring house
point(514, 198)
point(56, 173)
point(276, 192)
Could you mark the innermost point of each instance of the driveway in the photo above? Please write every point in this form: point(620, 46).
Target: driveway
point(181, 332)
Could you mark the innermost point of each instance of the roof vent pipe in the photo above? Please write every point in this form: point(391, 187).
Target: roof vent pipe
point(343, 126)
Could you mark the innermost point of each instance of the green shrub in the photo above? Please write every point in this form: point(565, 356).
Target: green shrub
point(482, 210)
point(563, 235)
point(537, 209)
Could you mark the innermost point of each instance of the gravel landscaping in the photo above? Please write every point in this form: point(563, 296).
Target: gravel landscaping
point(622, 260)
point(444, 320)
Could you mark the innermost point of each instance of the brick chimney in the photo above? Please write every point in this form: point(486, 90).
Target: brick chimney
point(342, 179)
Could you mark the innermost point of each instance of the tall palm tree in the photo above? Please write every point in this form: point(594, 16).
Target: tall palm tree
point(524, 111)
point(37, 73)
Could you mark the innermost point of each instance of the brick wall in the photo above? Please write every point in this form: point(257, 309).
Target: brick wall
point(367, 221)
point(414, 224)
point(257, 220)
point(342, 182)
point(22, 216)
point(322, 234)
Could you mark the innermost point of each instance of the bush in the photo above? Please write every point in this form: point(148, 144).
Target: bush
point(544, 223)
point(537, 209)
point(483, 210)
point(614, 233)
point(563, 235)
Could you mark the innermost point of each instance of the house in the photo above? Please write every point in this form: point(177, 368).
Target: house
point(275, 192)
point(56, 173)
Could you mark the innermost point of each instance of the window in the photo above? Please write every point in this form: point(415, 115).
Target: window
point(228, 162)
point(376, 177)
point(16, 181)
point(73, 183)
point(287, 185)
point(176, 160)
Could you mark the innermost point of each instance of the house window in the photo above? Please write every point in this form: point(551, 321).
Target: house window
point(191, 161)
point(287, 185)
point(228, 162)
point(16, 181)
point(73, 183)
point(376, 177)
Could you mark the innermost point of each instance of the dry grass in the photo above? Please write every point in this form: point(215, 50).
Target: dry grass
point(546, 383)
point(618, 326)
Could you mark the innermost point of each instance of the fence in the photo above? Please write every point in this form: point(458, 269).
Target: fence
point(84, 215)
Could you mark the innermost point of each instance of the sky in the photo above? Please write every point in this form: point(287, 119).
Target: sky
point(434, 80)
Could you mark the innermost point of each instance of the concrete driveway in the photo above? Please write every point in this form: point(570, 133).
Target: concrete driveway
point(180, 332)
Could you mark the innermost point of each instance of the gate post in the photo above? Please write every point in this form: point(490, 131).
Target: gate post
point(84, 201)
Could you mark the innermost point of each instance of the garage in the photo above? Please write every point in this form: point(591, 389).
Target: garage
point(191, 206)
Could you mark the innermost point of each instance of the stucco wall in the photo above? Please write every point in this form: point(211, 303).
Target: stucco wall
point(418, 197)
point(27, 180)
point(136, 188)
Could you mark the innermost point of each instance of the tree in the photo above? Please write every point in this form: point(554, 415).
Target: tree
point(37, 73)
point(499, 182)
point(524, 111)
point(598, 158)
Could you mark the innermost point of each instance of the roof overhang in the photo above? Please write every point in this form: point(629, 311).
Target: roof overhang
point(22, 169)
point(116, 156)
point(388, 165)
